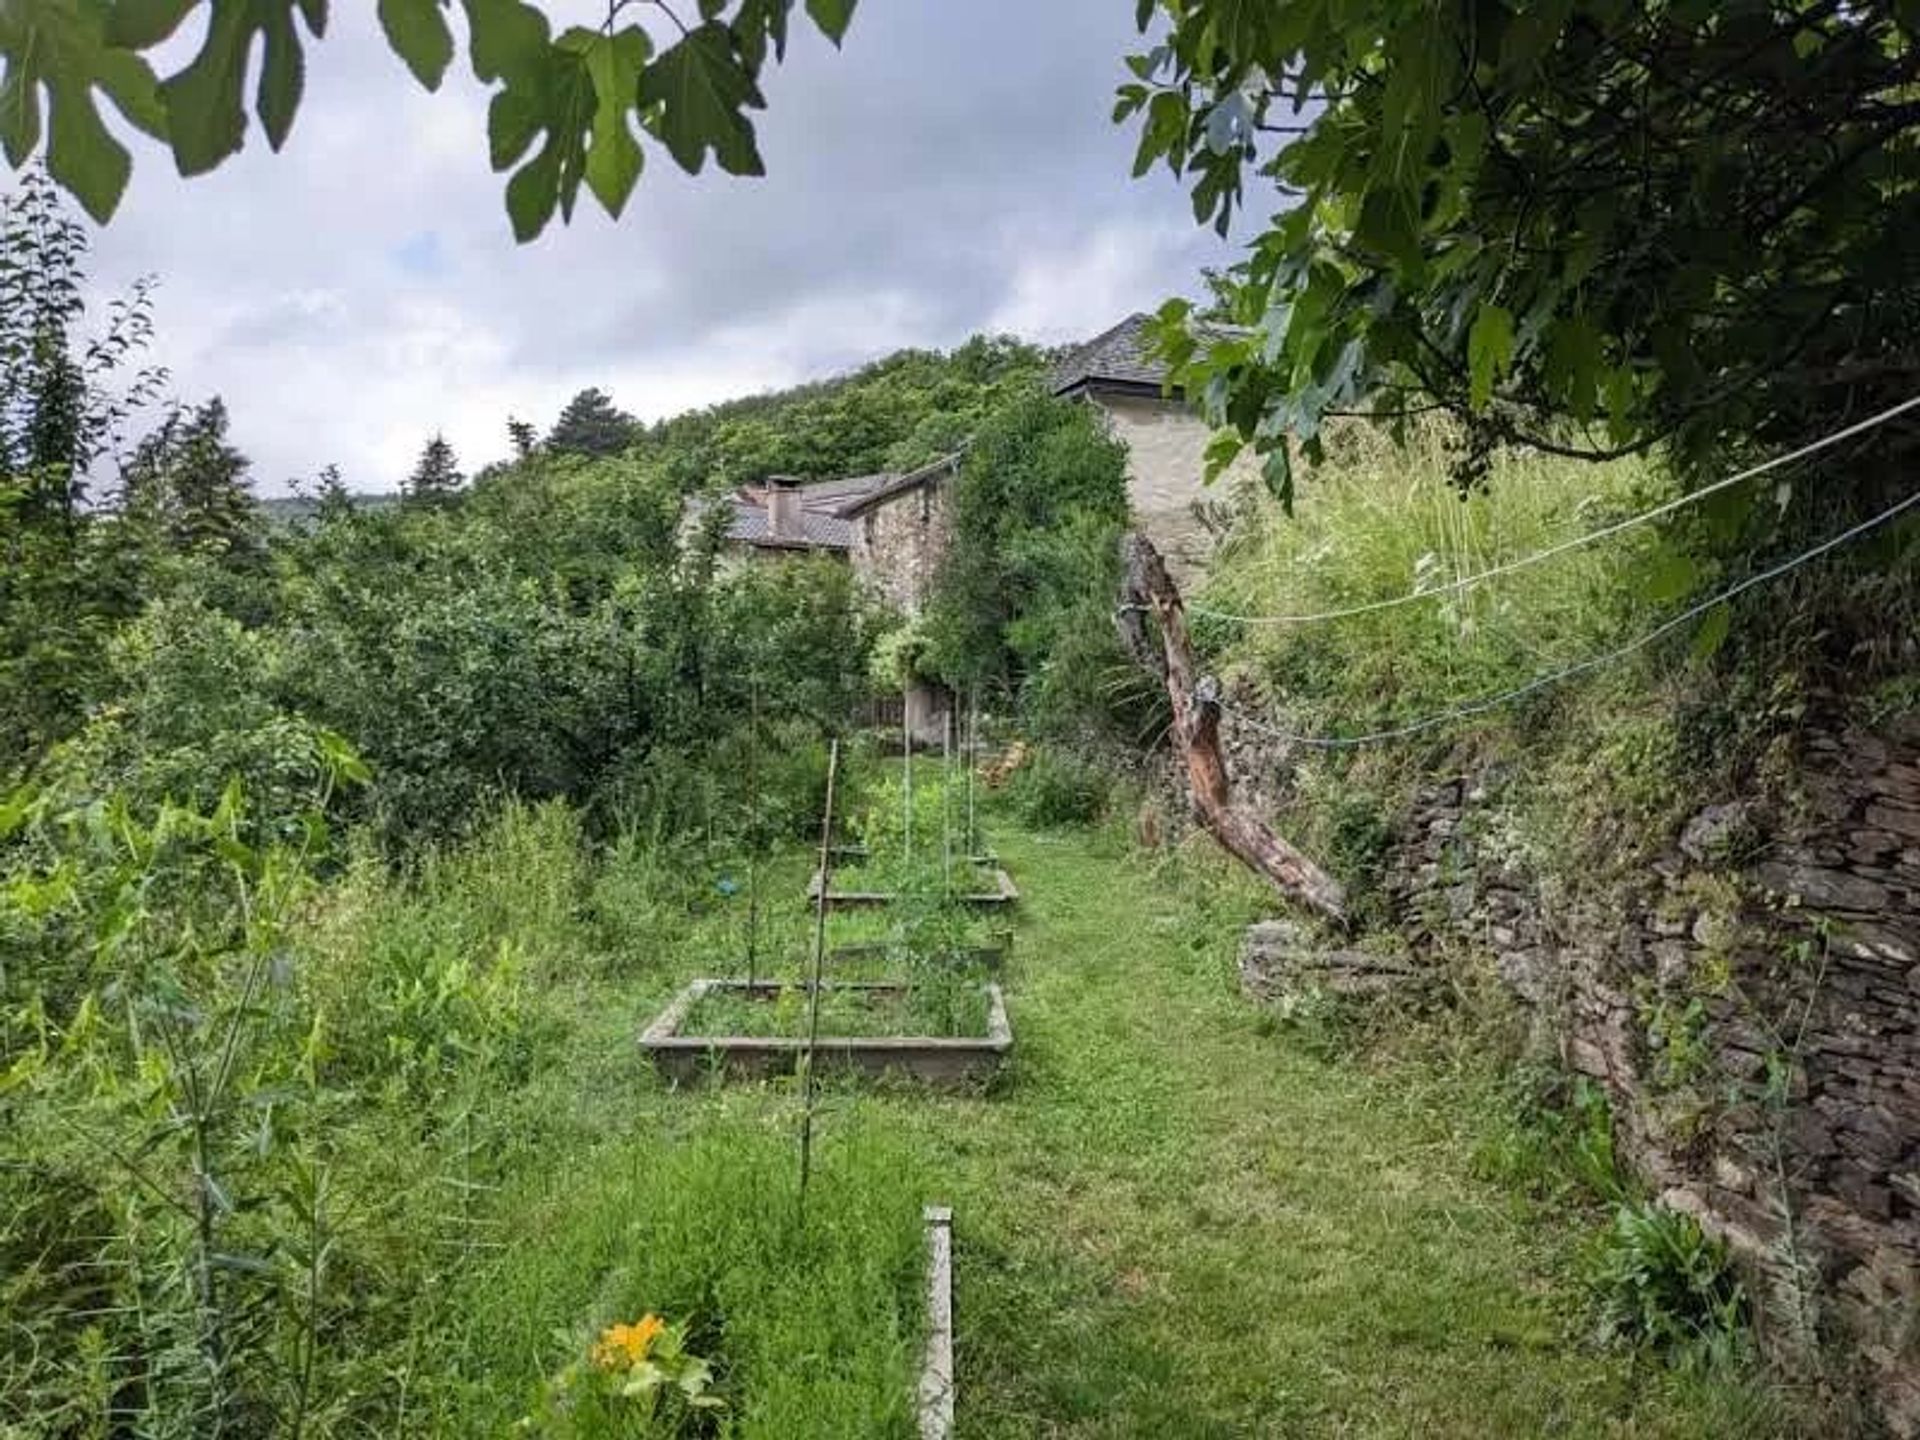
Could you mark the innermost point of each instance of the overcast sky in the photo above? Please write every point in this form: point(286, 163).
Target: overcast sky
point(953, 169)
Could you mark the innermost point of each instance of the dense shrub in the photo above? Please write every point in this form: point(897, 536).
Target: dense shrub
point(1024, 599)
point(1055, 788)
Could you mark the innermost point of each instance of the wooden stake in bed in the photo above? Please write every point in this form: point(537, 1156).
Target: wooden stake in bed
point(819, 961)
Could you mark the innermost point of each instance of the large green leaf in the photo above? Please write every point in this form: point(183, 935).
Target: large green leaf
point(59, 47)
point(614, 64)
point(698, 91)
point(832, 16)
point(206, 107)
point(418, 32)
point(141, 24)
point(1489, 352)
point(551, 96)
point(504, 36)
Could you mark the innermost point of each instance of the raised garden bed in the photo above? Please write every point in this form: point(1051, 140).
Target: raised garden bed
point(769, 1046)
point(991, 958)
point(993, 887)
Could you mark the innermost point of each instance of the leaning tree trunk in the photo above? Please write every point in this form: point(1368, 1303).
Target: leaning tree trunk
point(1147, 588)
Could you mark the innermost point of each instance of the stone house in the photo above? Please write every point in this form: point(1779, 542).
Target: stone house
point(1165, 437)
point(892, 529)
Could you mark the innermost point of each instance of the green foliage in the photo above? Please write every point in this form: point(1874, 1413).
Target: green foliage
point(69, 572)
point(1660, 1281)
point(436, 479)
point(159, 1083)
point(1055, 788)
point(893, 415)
point(194, 710)
point(1023, 598)
point(1589, 227)
point(545, 637)
point(591, 425)
point(188, 484)
point(1603, 764)
point(577, 103)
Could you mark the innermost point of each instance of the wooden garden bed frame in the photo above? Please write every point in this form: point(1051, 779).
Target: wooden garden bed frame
point(1001, 891)
point(948, 1062)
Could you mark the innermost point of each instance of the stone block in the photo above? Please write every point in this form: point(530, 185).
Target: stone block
point(1822, 887)
point(1895, 818)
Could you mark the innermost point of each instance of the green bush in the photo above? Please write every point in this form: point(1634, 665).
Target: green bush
point(1659, 1280)
point(1054, 788)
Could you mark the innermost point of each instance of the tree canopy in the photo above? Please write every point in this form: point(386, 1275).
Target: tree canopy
point(436, 477)
point(590, 425)
point(1586, 225)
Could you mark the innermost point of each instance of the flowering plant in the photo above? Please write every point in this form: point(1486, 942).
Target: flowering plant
point(636, 1379)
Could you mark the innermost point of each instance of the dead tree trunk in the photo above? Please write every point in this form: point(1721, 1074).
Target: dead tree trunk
point(1146, 588)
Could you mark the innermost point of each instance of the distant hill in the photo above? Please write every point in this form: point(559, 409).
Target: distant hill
point(292, 510)
point(896, 413)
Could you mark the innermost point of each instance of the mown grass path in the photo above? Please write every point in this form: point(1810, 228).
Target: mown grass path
point(1175, 1222)
point(1172, 1219)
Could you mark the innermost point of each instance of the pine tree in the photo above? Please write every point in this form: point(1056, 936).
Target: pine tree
point(591, 425)
point(523, 436)
point(437, 478)
point(185, 479)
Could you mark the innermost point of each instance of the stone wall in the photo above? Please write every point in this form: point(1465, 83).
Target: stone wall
point(1166, 476)
point(898, 545)
point(1752, 1004)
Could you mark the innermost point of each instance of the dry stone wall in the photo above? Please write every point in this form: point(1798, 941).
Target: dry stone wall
point(898, 545)
point(1752, 1005)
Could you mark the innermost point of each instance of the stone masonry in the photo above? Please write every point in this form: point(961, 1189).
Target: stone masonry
point(1752, 1007)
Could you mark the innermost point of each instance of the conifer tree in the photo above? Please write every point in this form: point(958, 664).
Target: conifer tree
point(437, 478)
point(591, 425)
point(188, 481)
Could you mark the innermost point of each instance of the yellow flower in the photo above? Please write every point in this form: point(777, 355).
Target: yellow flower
point(621, 1347)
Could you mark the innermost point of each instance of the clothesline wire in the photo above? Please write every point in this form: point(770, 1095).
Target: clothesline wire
point(1591, 663)
point(1617, 527)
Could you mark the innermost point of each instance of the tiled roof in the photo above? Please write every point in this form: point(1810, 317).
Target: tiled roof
point(828, 508)
point(831, 494)
point(821, 525)
point(817, 531)
point(1117, 357)
point(893, 485)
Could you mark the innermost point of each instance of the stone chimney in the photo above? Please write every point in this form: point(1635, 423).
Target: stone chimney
point(783, 508)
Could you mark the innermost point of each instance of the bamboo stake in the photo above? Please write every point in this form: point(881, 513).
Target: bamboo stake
point(946, 803)
point(972, 758)
point(753, 834)
point(819, 959)
point(906, 791)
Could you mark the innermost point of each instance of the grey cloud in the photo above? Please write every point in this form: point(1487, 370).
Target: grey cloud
point(953, 168)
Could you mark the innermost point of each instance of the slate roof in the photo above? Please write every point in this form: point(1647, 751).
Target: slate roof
point(828, 508)
point(822, 527)
point(892, 486)
point(817, 532)
point(1116, 359)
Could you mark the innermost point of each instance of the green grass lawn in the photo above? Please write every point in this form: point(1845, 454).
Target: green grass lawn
point(1171, 1217)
